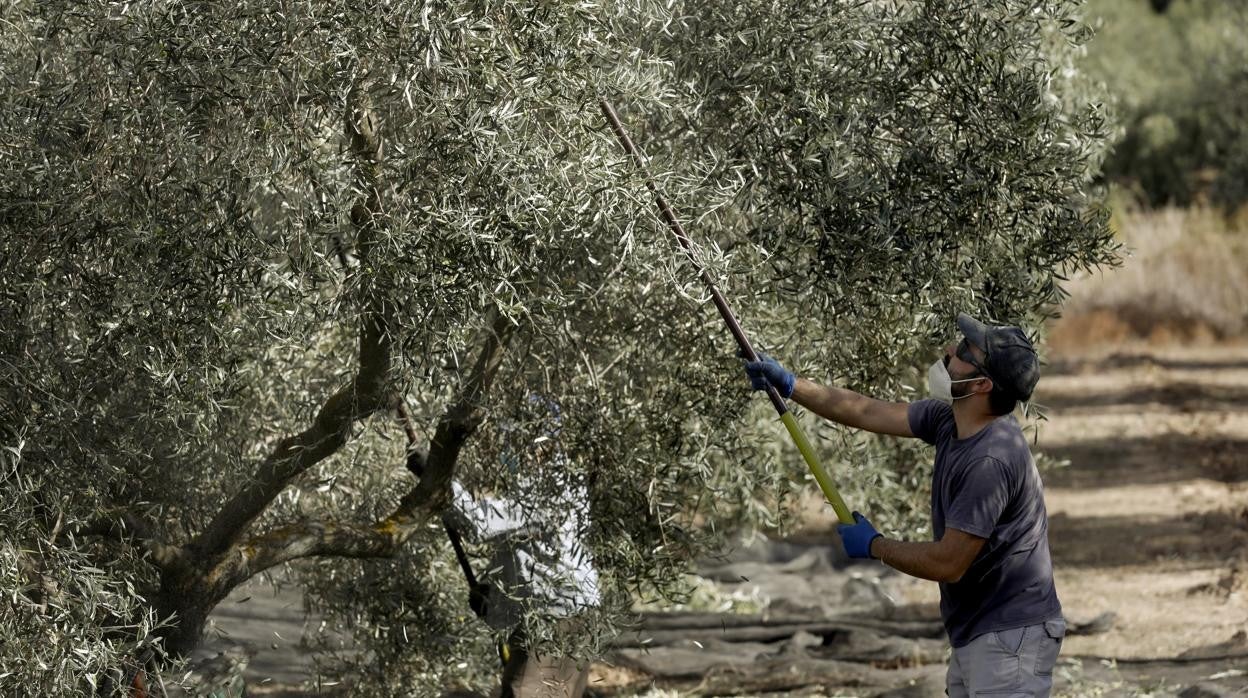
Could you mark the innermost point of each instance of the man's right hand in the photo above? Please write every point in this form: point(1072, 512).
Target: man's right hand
point(767, 371)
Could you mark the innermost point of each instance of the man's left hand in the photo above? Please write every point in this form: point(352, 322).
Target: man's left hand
point(857, 537)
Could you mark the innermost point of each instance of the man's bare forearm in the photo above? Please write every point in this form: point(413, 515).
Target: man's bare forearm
point(837, 404)
point(923, 560)
point(853, 409)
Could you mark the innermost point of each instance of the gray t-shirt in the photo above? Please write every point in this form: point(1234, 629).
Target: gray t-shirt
point(988, 486)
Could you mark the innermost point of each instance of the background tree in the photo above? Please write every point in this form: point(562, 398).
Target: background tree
point(210, 390)
point(1182, 104)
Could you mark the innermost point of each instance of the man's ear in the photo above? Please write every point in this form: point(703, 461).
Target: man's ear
point(991, 385)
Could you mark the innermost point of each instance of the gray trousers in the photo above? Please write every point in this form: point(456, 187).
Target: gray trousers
point(531, 675)
point(1005, 663)
point(544, 677)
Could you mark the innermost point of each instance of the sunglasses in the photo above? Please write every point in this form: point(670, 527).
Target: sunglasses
point(963, 351)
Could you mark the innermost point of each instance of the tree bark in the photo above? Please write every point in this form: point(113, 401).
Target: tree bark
point(427, 498)
point(185, 599)
point(365, 394)
point(213, 563)
point(190, 590)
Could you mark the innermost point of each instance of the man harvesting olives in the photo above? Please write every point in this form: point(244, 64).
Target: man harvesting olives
point(990, 549)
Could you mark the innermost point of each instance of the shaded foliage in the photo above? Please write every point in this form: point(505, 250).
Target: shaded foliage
point(70, 627)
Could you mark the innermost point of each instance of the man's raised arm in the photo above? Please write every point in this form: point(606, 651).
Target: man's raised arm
point(837, 404)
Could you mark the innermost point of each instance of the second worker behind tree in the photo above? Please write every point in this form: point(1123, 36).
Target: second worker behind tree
point(539, 563)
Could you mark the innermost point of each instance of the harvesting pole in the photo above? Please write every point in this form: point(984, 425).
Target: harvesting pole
point(790, 423)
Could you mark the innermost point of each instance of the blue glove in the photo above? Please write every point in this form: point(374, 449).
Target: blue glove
point(767, 370)
point(857, 537)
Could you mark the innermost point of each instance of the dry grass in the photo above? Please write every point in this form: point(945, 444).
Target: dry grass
point(1185, 279)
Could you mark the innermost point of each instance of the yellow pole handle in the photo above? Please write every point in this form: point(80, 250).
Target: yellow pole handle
point(816, 468)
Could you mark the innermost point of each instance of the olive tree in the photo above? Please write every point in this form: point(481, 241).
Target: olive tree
point(897, 162)
point(239, 237)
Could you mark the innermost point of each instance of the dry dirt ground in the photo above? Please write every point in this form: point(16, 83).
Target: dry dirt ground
point(1149, 521)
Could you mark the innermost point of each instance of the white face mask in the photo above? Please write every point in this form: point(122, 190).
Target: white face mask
point(940, 383)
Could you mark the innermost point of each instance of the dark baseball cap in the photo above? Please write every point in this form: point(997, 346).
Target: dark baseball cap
point(1009, 358)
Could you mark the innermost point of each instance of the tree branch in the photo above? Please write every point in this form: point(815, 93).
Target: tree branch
point(321, 538)
point(430, 495)
point(365, 394)
point(457, 424)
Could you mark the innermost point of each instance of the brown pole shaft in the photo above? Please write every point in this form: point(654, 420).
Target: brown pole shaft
point(672, 222)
